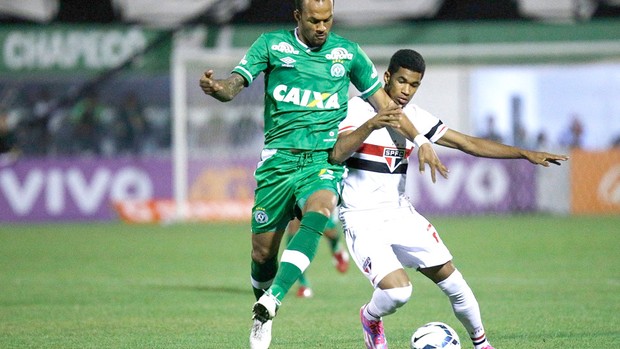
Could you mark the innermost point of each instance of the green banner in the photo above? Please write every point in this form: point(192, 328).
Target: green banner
point(80, 49)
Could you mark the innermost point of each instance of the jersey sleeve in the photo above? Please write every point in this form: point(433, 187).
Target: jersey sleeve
point(426, 123)
point(364, 74)
point(255, 60)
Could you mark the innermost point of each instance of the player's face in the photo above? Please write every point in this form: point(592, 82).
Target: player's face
point(315, 21)
point(402, 85)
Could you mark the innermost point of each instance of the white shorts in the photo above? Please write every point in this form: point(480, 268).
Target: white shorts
point(385, 240)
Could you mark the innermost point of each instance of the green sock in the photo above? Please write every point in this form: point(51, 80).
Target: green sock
point(299, 253)
point(303, 280)
point(263, 275)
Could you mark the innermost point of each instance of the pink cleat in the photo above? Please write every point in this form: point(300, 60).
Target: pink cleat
point(374, 336)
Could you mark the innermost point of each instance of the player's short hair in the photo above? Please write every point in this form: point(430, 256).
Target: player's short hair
point(408, 59)
point(299, 4)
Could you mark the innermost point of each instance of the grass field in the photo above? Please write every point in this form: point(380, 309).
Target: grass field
point(542, 282)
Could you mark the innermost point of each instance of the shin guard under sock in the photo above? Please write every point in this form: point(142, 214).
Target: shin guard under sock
point(299, 253)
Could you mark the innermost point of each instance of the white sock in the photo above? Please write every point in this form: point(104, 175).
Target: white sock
point(465, 307)
point(385, 302)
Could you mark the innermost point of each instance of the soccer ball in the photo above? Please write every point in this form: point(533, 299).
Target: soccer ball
point(435, 335)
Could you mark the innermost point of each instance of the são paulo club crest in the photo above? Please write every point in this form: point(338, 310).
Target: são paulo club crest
point(393, 157)
point(367, 265)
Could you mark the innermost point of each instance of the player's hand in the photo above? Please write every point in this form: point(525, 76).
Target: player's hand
point(208, 84)
point(389, 116)
point(544, 159)
point(427, 155)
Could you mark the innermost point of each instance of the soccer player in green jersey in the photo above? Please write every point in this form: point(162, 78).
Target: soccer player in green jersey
point(307, 75)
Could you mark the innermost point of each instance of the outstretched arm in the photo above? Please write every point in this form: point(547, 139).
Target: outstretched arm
point(426, 154)
point(489, 149)
point(223, 90)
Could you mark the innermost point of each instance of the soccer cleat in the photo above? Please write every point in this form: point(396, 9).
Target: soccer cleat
point(374, 336)
point(304, 292)
point(260, 335)
point(481, 342)
point(263, 311)
point(341, 260)
point(265, 308)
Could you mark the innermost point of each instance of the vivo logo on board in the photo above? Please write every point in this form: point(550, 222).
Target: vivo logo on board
point(40, 190)
point(57, 188)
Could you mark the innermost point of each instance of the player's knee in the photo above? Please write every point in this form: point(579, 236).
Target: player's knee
point(400, 295)
point(265, 247)
point(261, 255)
point(322, 201)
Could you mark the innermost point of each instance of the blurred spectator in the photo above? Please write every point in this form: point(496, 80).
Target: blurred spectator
point(37, 123)
point(217, 132)
point(130, 129)
point(572, 137)
point(542, 142)
point(522, 140)
point(245, 132)
point(86, 118)
point(491, 133)
point(7, 135)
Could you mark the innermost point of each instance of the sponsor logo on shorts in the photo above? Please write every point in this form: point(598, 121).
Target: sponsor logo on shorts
point(260, 216)
point(367, 265)
point(326, 174)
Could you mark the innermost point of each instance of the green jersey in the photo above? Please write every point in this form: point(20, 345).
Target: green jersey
point(306, 90)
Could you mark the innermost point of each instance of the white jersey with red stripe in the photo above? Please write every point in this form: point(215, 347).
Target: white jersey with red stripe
point(378, 169)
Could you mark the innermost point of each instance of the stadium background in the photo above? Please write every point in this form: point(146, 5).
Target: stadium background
point(537, 69)
point(73, 276)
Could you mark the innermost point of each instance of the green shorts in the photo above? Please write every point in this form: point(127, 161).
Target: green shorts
point(285, 180)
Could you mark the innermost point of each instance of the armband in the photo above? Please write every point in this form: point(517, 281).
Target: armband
point(419, 140)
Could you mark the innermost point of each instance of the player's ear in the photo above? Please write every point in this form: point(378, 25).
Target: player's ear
point(297, 15)
point(386, 77)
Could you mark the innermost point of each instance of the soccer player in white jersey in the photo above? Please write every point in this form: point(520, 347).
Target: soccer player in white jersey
point(383, 231)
